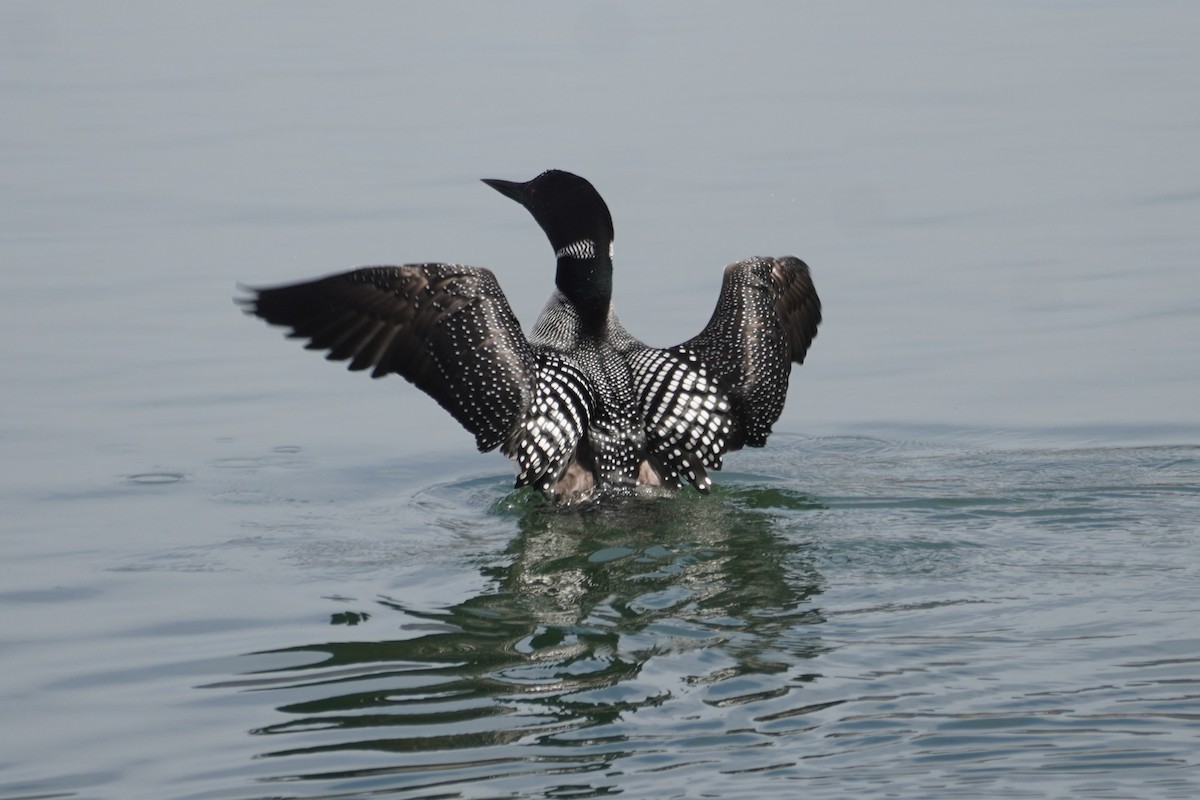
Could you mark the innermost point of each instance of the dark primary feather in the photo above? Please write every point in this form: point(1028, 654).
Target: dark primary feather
point(446, 328)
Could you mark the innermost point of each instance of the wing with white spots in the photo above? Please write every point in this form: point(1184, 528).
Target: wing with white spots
point(687, 414)
point(446, 328)
point(549, 433)
point(766, 318)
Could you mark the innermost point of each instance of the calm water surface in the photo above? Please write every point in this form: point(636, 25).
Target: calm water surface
point(966, 566)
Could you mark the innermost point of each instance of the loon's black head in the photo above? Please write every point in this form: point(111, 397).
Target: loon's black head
point(580, 229)
point(569, 209)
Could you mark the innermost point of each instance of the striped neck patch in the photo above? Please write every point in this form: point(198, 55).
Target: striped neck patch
point(584, 248)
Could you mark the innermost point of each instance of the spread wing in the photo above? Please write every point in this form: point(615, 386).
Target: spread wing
point(446, 328)
point(725, 388)
point(766, 318)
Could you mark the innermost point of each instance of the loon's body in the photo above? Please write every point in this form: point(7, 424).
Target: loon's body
point(580, 405)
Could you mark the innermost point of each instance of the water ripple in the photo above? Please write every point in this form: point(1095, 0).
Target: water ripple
point(925, 618)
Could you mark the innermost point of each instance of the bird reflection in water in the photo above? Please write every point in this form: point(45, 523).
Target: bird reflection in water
point(602, 613)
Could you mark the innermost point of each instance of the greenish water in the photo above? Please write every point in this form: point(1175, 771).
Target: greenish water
point(940, 622)
point(898, 619)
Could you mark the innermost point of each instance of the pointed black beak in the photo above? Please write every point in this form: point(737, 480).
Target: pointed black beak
point(510, 189)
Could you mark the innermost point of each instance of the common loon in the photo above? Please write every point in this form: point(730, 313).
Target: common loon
point(581, 406)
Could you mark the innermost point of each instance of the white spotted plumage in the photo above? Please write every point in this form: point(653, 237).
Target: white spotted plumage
point(580, 405)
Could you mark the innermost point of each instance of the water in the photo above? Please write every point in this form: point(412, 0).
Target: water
point(964, 567)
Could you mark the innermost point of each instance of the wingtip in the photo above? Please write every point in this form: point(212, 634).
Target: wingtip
point(247, 301)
